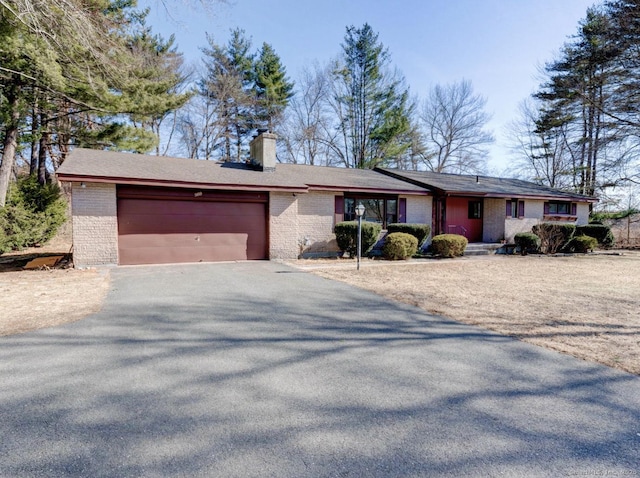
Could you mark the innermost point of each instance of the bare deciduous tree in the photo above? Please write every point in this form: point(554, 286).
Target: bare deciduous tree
point(307, 131)
point(541, 155)
point(454, 119)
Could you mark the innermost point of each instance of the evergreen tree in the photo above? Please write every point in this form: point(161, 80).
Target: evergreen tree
point(575, 98)
point(273, 88)
point(229, 87)
point(371, 102)
point(76, 72)
point(154, 90)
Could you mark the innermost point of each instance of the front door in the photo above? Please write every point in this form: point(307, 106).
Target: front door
point(463, 216)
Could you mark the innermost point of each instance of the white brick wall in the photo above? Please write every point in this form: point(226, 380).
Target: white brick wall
point(419, 209)
point(95, 224)
point(583, 213)
point(303, 224)
point(315, 223)
point(283, 226)
point(533, 212)
point(493, 225)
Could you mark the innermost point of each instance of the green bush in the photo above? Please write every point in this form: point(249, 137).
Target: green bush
point(399, 246)
point(31, 216)
point(553, 237)
point(600, 232)
point(528, 242)
point(582, 244)
point(449, 245)
point(347, 236)
point(419, 231)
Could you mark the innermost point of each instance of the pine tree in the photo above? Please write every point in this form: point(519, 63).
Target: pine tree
point(576, 96)
point(273, 88)
point(371, 102)
point(228, 87)
point(78, 72)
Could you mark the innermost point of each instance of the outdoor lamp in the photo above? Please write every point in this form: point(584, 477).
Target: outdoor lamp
point(359, 213)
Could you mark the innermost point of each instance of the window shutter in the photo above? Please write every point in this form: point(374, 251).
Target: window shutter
point(508, 214)
point(546, 208)
point(402, 210)
point(574, 209)
point(520, 208)
point(339, 209)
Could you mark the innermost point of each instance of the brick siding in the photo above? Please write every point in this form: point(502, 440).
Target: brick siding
point(493, 225)
point(315, 224)
point(419, 209)
point(283, 226)
point(95, 225)
point(302, 225)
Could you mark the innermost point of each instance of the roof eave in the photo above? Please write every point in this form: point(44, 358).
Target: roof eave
point(358, 189)
point(179, 184)
point(415, 182)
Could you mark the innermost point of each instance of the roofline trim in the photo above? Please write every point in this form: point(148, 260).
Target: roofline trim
point(440, 191)
point(313, 187)
point(545, 197)
point(178, 184)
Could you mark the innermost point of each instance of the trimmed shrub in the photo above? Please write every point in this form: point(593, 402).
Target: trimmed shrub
point(419, 231)
point(528, 242)
point(582, 244)
point(31, 216)
point(553, 237)
point(399, 246)
point(347, 236)
point(600, 232)
point(449, 245)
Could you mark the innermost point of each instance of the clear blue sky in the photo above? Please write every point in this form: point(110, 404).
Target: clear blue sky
point(497, 44)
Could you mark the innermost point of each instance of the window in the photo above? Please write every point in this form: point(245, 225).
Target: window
point(376, 209)
point(475, 209)
point(557, 207)
point(515, 208)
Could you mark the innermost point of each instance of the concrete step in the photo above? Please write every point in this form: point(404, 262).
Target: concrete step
point(481, 249)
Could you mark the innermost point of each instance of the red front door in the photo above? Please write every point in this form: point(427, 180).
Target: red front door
point(464, 216)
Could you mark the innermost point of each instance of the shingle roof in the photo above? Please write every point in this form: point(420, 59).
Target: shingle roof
point(126, 168)
point(484, 186)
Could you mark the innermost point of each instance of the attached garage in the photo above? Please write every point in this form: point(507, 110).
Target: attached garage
point(135, 209)
point(162, 225)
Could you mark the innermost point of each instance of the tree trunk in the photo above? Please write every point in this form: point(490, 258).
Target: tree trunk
point(33, 163)
point(42, 157)
point(10, 143)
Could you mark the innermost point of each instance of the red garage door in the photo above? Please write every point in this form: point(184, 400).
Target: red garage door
point(159, 226)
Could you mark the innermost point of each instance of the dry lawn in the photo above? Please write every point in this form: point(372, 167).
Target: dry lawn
point(585, 306)
point(37, 299)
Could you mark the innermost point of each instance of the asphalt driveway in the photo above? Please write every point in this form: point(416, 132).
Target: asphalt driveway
point(256, 369)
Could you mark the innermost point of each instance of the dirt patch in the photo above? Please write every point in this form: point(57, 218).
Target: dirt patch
point(586, 306)
point(48, 297)
point(38, 299)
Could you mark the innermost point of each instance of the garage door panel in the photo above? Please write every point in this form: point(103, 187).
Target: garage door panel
point(151, 255)
point(152, 231)
point(188, 208)
point(182, 240)
point(168, 224)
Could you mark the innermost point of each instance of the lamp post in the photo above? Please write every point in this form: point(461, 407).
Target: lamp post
point(359, 213)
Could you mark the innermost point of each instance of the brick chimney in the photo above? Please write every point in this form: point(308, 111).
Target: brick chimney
point(263, 150)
